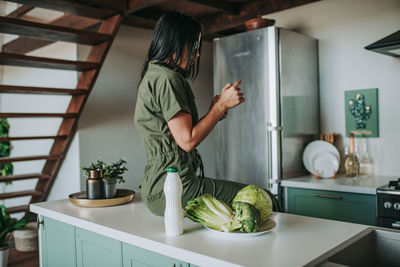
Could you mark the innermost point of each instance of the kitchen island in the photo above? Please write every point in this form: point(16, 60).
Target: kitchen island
point(295, 241)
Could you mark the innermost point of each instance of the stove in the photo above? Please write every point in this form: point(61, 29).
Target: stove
point(388, 205)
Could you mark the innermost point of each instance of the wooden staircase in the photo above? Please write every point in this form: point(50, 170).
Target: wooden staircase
point(71, 27)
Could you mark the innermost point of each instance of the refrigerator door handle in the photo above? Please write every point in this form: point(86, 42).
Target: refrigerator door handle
point(271, 128)
point(269, 155)
point(273, 180)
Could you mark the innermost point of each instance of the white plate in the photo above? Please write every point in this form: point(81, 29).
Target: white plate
point(237, 234)
point(325, 165)
point(317, 147)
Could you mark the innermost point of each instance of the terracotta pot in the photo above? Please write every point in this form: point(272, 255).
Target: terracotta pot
point(258, 23)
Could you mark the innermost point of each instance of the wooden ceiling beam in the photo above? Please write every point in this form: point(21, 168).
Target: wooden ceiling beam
point(139, 22)
point(219, 22)
point(137, 5)
point(19, 12)
point(119, 5)
point(222, 6)
point(23, 45)
point(149, 14)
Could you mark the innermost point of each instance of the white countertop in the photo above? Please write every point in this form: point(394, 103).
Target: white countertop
point(362, 185)
point(295, 241)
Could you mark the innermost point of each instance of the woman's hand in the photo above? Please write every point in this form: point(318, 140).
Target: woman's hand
point(230, 96)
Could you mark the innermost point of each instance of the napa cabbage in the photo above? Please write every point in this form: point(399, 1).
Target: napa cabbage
point(210, 212)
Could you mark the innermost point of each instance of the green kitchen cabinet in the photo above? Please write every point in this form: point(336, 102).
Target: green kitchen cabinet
point(63, 245)
point(139, 257)
point(334, 205)
point(58, 244)
point(95, 250)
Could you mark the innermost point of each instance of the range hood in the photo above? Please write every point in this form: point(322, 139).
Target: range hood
point(390, 45)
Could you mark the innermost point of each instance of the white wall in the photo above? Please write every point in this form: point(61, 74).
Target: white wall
point(106, 125)
point(343, 28)
point(68, 179)
point(106, 128)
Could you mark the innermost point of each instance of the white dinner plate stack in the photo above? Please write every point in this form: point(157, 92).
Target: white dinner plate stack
point(321, 159)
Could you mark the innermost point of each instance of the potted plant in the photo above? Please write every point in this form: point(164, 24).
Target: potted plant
point(7, 225)
point(5, 149)
point(112, 174)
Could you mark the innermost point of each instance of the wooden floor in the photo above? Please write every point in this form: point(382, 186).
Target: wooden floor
point(23, 259)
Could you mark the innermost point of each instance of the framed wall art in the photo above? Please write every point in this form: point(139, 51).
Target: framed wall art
point(361, 111)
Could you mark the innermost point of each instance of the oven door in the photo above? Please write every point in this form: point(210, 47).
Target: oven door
point(388, 222)
point(388, 215)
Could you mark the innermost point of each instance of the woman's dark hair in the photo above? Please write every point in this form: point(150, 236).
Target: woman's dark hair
point(173, 32)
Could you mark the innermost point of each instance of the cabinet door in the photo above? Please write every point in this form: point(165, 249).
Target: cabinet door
point(94, 250)
point(58, 244)
point(139, 257)
point(341, 206)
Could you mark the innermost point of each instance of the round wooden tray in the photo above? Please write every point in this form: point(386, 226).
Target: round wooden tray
point(123, 196)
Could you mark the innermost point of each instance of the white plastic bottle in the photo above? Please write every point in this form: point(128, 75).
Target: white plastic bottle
point(173, 215)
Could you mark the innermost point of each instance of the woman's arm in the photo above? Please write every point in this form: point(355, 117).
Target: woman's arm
point(188, 136)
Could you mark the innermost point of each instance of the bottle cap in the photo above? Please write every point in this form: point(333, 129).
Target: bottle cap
point(172, 169)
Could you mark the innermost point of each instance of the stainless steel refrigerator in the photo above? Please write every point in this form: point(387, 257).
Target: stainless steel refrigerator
point(262, 140)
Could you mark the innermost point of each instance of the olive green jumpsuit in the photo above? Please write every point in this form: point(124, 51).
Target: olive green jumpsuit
point(162, 94)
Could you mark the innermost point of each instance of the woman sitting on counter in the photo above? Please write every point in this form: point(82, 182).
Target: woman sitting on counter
point(166, 114)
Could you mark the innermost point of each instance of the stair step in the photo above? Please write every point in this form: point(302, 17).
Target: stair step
point(20, 194)
point(43, 62)
point(38, 115)
point(51, 32)
point(19, 138)
point(20, 11)
point(24, 45)
point(70, 7)
point(16, 209)
point(10, 178)
point(12, 89)
point(29, 158)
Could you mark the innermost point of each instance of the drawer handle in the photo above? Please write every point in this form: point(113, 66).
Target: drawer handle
point(396, 225)
point(327, 196)
point(39, 222)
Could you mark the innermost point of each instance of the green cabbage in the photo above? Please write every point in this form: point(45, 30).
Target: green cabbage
point(257, 197)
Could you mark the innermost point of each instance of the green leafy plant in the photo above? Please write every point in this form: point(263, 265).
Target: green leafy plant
point(5, 149)
point(8, 225)
point(4, 127)
point(110, 171)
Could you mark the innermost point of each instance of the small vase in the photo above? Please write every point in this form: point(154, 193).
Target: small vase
point(110, 187)
point(94, 185)
point(3, 256)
